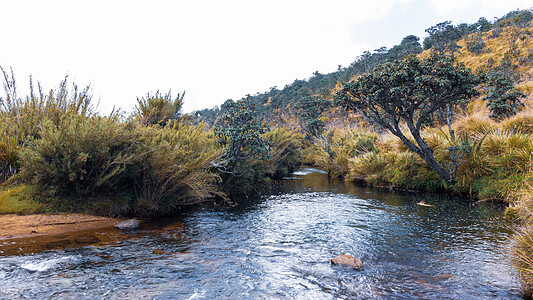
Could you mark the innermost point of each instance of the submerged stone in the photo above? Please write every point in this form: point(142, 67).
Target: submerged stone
point(128, 225)
point(86, 239)
point(348, 261)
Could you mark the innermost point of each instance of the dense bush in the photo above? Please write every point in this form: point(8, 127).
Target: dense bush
point(79, 156)
point(502, 99)
point(23, 117)
point(475, 44)
point(158, 170)
point(174, 169)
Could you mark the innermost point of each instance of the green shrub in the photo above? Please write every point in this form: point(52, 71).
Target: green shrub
point(475, 44)
point(158, 108)
point(173, 171)
point(503, 99)
point(23, 117)
point(26, 115)
point(148, 171)
point(9, 146)
point(79, 156)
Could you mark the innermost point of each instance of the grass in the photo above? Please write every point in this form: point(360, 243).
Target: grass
point(20, 200)
point(523, 256)
point(286, 152)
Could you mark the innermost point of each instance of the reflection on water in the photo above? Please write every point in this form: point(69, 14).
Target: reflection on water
point(279, 246)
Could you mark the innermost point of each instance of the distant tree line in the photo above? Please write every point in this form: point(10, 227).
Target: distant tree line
point(442, 38)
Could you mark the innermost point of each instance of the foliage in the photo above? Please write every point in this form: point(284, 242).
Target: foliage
point(442, 37)
point(520, 18)
point(411, 91)
point(311, 110)
point(172, 169)
point(79, 156)
point(502, 99)
point(9, 146)
point(475, 44)
point(410, 45)
point(239, 132)
point(23, 117)
point(286, 152)
point(158, 169)
point(158, 108)
point(26, 114)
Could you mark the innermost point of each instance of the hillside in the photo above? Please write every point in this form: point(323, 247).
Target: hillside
point(480, 45)
point(489, 143)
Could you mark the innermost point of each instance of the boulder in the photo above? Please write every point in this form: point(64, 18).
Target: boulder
point(348, 261)
point(128, 225)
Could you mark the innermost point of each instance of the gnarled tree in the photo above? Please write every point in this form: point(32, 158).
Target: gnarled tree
point(412, 91)
point(239, 131)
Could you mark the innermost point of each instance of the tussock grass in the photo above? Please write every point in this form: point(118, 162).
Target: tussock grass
point(476, 125)
point(367, 167)
point(286, 152)
point(334, 152)
point(521, 199)
point(523, 256)
point(525, 87)
point(519, 123)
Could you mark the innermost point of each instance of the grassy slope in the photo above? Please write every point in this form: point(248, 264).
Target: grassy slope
point(498, 167)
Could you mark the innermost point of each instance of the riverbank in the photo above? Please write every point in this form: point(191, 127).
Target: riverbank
point(17, 226)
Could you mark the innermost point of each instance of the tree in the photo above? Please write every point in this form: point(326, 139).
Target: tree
point(442, 37)
point(482, 25)
point(310, 110)
point(411, 91)
point(158, 108)
point(239, 132)
point(409, 45)
point(502, 98)
point(475, 43)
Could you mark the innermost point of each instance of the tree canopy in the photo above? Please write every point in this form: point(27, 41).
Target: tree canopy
point(411, 91)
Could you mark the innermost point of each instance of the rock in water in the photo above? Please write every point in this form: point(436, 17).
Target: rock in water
point(348, 260)
point(128, 225)
point(86, 239)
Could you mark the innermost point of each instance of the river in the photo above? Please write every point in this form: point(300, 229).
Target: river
point(278, 246)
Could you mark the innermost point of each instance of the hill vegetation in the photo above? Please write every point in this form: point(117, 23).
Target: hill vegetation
point(481, 144)
point(453, 113)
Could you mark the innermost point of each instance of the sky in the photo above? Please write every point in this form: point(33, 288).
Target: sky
point(213, 50)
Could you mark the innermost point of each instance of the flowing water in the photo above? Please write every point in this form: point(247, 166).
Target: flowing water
point(279, 246)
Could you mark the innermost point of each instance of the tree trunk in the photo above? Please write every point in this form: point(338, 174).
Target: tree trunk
point(424, 151)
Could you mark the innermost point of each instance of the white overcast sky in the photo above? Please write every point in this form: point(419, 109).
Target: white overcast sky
point(213, 49)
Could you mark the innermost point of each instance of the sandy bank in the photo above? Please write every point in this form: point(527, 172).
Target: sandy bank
point(14, 226)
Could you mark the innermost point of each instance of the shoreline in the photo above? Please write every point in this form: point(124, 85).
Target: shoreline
point(14, 226)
